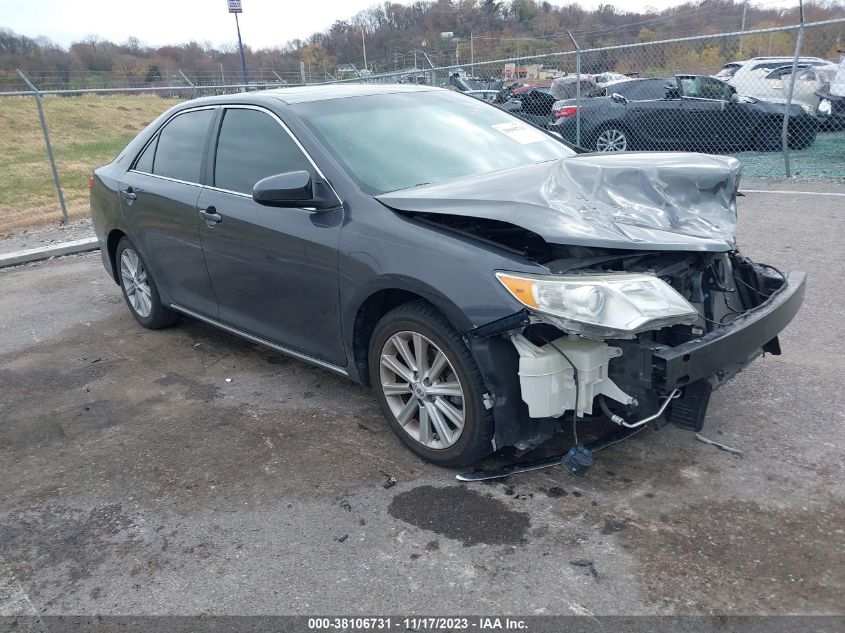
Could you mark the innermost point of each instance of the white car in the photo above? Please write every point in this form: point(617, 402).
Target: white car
point(774, 86)
point(746, 76)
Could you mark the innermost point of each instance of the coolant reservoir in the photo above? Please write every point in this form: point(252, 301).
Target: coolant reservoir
point(547, 381)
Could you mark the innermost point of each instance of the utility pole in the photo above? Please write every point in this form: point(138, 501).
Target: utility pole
point(742, 27)
point(364, 46)
point(235, 7)
point(790, 91)
point(471, 51)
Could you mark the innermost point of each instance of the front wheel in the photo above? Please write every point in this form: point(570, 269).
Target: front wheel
point(429, 387)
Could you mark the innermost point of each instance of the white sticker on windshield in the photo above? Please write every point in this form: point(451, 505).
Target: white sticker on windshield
point(521, 132)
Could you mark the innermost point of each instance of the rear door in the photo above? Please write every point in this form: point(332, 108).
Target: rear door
point(274, 270)
point(159, 201)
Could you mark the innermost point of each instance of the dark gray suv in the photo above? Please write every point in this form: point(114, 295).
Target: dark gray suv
point(485, 280)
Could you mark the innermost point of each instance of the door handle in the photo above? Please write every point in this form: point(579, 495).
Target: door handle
point(129, 194)
point(211, 216)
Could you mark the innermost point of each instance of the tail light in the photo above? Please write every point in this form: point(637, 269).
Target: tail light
point(565, 111)
point(90, 181)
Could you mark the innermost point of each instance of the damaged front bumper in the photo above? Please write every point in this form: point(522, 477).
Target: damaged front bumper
point(647, 370)
point(719, 353)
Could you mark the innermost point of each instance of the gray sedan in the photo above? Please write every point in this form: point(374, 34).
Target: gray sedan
point(489, 284)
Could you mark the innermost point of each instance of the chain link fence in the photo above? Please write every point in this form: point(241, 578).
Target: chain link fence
point(760, 95)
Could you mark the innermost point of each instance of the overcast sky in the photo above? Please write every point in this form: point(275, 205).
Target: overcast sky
point(264, 23)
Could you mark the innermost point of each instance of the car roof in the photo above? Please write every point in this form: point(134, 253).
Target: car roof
point(630, 80)
point(305, 94)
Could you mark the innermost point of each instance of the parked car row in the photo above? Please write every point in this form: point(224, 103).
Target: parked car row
point(684, 112)
point(687, 112)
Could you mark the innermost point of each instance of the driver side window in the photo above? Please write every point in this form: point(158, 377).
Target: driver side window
point(706, 88)
point(252, 145)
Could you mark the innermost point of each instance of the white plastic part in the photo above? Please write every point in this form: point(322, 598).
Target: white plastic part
point(547, 381)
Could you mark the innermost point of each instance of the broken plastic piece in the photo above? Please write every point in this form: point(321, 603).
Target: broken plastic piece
point(724, 447)
point(583, 562)
point(557, 460)
point(391, 481)
point(578, 460)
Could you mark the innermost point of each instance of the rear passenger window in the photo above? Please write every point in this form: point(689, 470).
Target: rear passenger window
point(145, 160)
point(180, 146)
point(252, 146)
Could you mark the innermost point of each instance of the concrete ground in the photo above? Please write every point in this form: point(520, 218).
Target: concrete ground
point(186, 471)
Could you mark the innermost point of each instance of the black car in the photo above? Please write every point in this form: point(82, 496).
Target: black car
point(536, 104)
point(480, 276)
point(687, 112)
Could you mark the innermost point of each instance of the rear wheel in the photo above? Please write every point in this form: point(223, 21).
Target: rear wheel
point(801, 137)
point(612, 139)
point(429, 387)
point(768, 137)
point(139, 288)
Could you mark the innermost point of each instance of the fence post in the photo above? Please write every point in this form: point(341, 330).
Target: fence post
point(59, 192)
point(785, 131)
point(577, 90)
point(578, 97)
point(189, 82)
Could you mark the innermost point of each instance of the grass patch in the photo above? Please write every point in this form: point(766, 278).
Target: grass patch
point(86, 131)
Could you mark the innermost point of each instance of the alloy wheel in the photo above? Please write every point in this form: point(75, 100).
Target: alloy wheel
point(422, 390)
point(612, 140)
point(133, 277)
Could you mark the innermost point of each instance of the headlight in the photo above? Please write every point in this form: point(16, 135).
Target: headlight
point(825, 107)
point(615, 305)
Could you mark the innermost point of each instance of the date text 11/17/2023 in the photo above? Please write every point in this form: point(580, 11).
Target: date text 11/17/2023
point(421, 623)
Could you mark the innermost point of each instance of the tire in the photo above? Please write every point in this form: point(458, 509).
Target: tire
point(800, 137)
point(767, 137)
point(427, 403)
point(139, 288)
point(612, 138)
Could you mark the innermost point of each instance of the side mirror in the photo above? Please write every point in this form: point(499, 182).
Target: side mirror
point(618, 98)
point(734, 98)
point(293, 189)
point(672, 93)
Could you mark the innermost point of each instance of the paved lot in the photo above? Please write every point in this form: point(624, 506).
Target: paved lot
point(135, 478)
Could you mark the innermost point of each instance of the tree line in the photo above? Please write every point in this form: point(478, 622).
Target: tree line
point(401, 35)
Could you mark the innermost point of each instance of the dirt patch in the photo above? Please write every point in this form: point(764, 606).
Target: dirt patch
point(70, 542)
point(195, 390)
point(461, 514)
point(739, 557)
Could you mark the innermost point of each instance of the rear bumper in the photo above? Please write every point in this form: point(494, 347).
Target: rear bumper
point(729, 348)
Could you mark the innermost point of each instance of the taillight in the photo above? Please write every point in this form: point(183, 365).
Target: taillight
point(90, 181)
point(565, 111)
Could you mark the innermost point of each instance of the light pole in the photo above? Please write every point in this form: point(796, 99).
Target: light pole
point(235, 7)
point(364, 46)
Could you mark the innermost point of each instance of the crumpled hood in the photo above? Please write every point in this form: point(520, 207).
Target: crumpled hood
point(633, 200)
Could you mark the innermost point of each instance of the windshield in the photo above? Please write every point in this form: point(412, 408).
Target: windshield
point(395, 141)
point(729, 70)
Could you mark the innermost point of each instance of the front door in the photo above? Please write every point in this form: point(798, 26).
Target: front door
point(274, 270)
point(707, 113)
point(159, 199)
